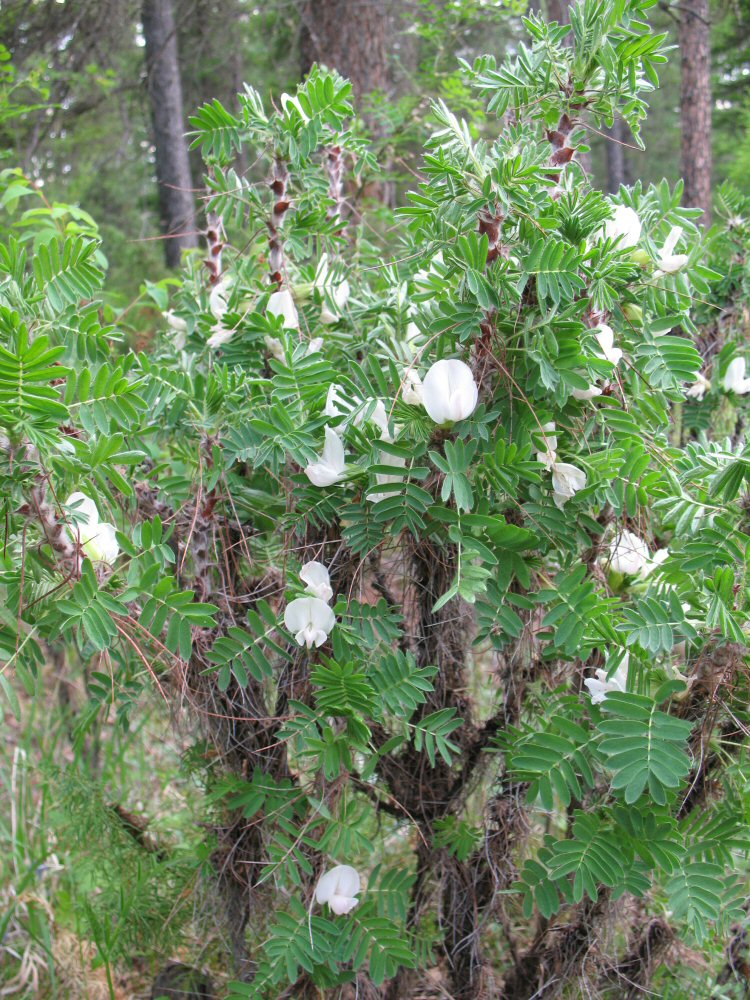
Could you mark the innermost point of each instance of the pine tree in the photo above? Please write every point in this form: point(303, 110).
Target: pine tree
point(695, 103)
point(172, 164)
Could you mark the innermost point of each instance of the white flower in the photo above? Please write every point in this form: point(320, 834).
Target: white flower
point(329, 468)
point(669, 262)
point(548, 457)
point(96, 538)
point(654, 561)
point(567, 480)
point(734, 378)
point(606, 338)
point(218, 298)
point(309, 620)
point(288, 102)
point(628, 553)
point(219, 335)
point(411, 388)
point(378, 416)
point(334, 401)
point(340, 296)
point(177, 323)
point(318, 581)
point(384, 478)
point(449, 391)
point(698, 388)
point(275, 347)
point(624, 225)
point(600, 685)
point(282, 304)
point(584, 394)
point(178, 326)
point(339, 888)
point(337, 405)
point(338, 293)
point(315, 345)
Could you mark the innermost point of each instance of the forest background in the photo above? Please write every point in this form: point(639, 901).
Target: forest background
point(88, 135)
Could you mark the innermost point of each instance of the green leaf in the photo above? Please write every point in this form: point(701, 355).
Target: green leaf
point(644, 747)
point(432, 732)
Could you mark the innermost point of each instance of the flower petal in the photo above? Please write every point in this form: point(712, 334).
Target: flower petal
point(318, 581)
point(309, 618)
point(449, 392)
point(282, 304)
point(329, 468)
point(85, 510)
point(342, 881)
point(624, 226)
point(102, 546)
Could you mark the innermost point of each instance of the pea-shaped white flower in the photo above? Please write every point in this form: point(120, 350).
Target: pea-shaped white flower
point(274, 347)
point(330, 467)
point(178, 326)
point(339, 295)
point(378, 416)
point(697, 390)
point(567, 480)
point(600, 685)
point(218, 298)
point(282, 304)
point(385, 478)
point(318, 580)
point(411, 388)
point(449, 392)
point(605, 337)
point(624, 226)
point(337, 405)
point(734, 378)
point(668, 261)
point(584, 394)
point(220, 335)
point(292, 107)
point(96, 538)
point(628, 553)
point(548, 442)
point(309, 620)
point(654, 561)
point(339, 887)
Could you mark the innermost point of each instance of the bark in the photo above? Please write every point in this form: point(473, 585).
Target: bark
point(695, 104)
point(617, 164)
point(349, 36)
point(176, 202)
point(557, 10)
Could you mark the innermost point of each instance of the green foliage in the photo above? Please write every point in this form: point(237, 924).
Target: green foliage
point(554, 761)
point(453, 675)
point(644, 747)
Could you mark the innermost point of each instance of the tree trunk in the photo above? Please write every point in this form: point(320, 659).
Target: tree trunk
point(617, 165)
point(351, 36)
point(557, 10)
point(695, 104)
point(347, 35)
point(176, 203)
